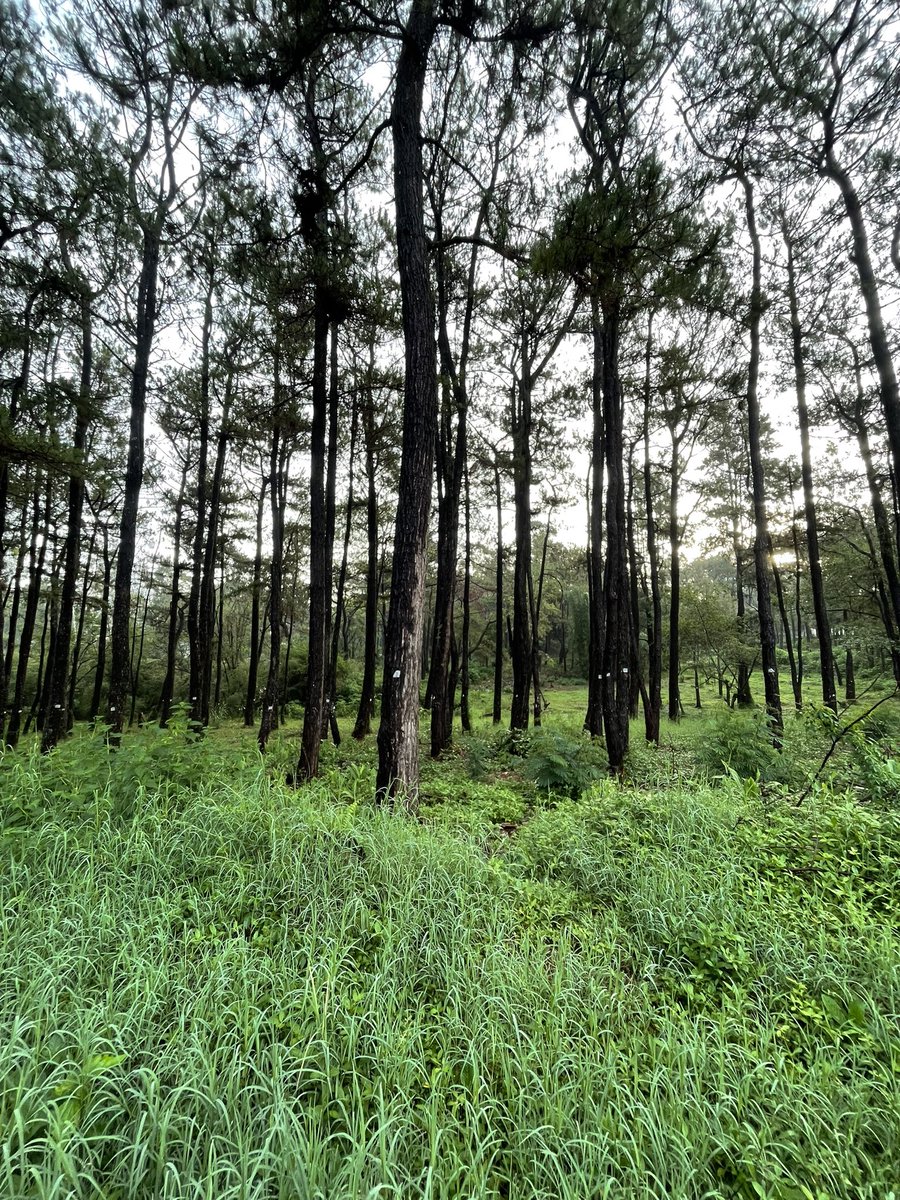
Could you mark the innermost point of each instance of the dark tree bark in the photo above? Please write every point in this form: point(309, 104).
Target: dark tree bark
point(319, 563)
point(520, 646)
point(535, 602)
point(635, 674)
point(79, 629)
point(817, 584)
point(743, 696)
point(452, 452)
point(220, 620)
point(40, 525)
point(798, 575)
point(210, 545)
point(329, 719)
point(856, 419)
point(497, 713)
point(285, 672)
point(145, 328)
point(796, 686)
point(15, 603)
point(861, 258)
point(593, 721)
point(100, 670)
point(278, 461)
point(674, 586)
point(174, 627)
point(57, 721)
point(46, 621)
point(364, 715)
point(17, 393)
point(255, 605)
point(464, 712)
point(199, 633)
point(398, 748)
point(653, 707)
point(141, 631)
point(849, 678)
point(340, 603)
point(760, 517)
point(617, 631)
point(48, 640)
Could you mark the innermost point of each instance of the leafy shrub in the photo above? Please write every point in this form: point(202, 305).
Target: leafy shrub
point(515, 741)
point(741, 742)
point(480, 756)
point(562, 765)
point(470, 803)
point(865, 756)
point(89, 780)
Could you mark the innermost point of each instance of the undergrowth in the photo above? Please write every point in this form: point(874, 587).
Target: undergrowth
point(214, 986)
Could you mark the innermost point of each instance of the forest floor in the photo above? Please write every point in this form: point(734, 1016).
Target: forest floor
point(544, 984)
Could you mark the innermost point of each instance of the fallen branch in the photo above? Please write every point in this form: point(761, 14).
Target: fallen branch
point(835, 741)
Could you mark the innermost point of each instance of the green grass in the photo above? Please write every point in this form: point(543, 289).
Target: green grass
point(216, 987)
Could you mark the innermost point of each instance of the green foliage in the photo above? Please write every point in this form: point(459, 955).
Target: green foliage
point(673, 990)
point(741, 741)
point(562, 765)
point(88, 780)
point(447, 796)
point(864, 750)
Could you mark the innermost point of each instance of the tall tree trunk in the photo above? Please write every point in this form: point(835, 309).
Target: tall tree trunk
point(760, 518)
point(398, 745)
point(535, 604)
point(168, 687)
point(58, 718)
point(497, 713)
point(797, 609)
point(39, 683)
point(635, 674)
point(139, 656)
point(198, 633)
point(823, 624)
point(880, 514)
point(329, 718)
point(17, 393)
point(743, 696)
point(364, 714)
point(464, 711)
point(593, 721)
point(255, 640)
point(11, 640)
point(674, 587)
point(868, 283)
point(653, 708)
point(796, 686)
point(79, 629)
point(40, 525)
point(119, 679)
point(449, 474)
point(617, 631)
point(452, 449)
point(207, 612)
point(277, 482)
point(520, 647)
point(319, 566)
point(220, 623)
point(100, 670)
point(48, 638)
point(285, 675)
point(849, 678)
